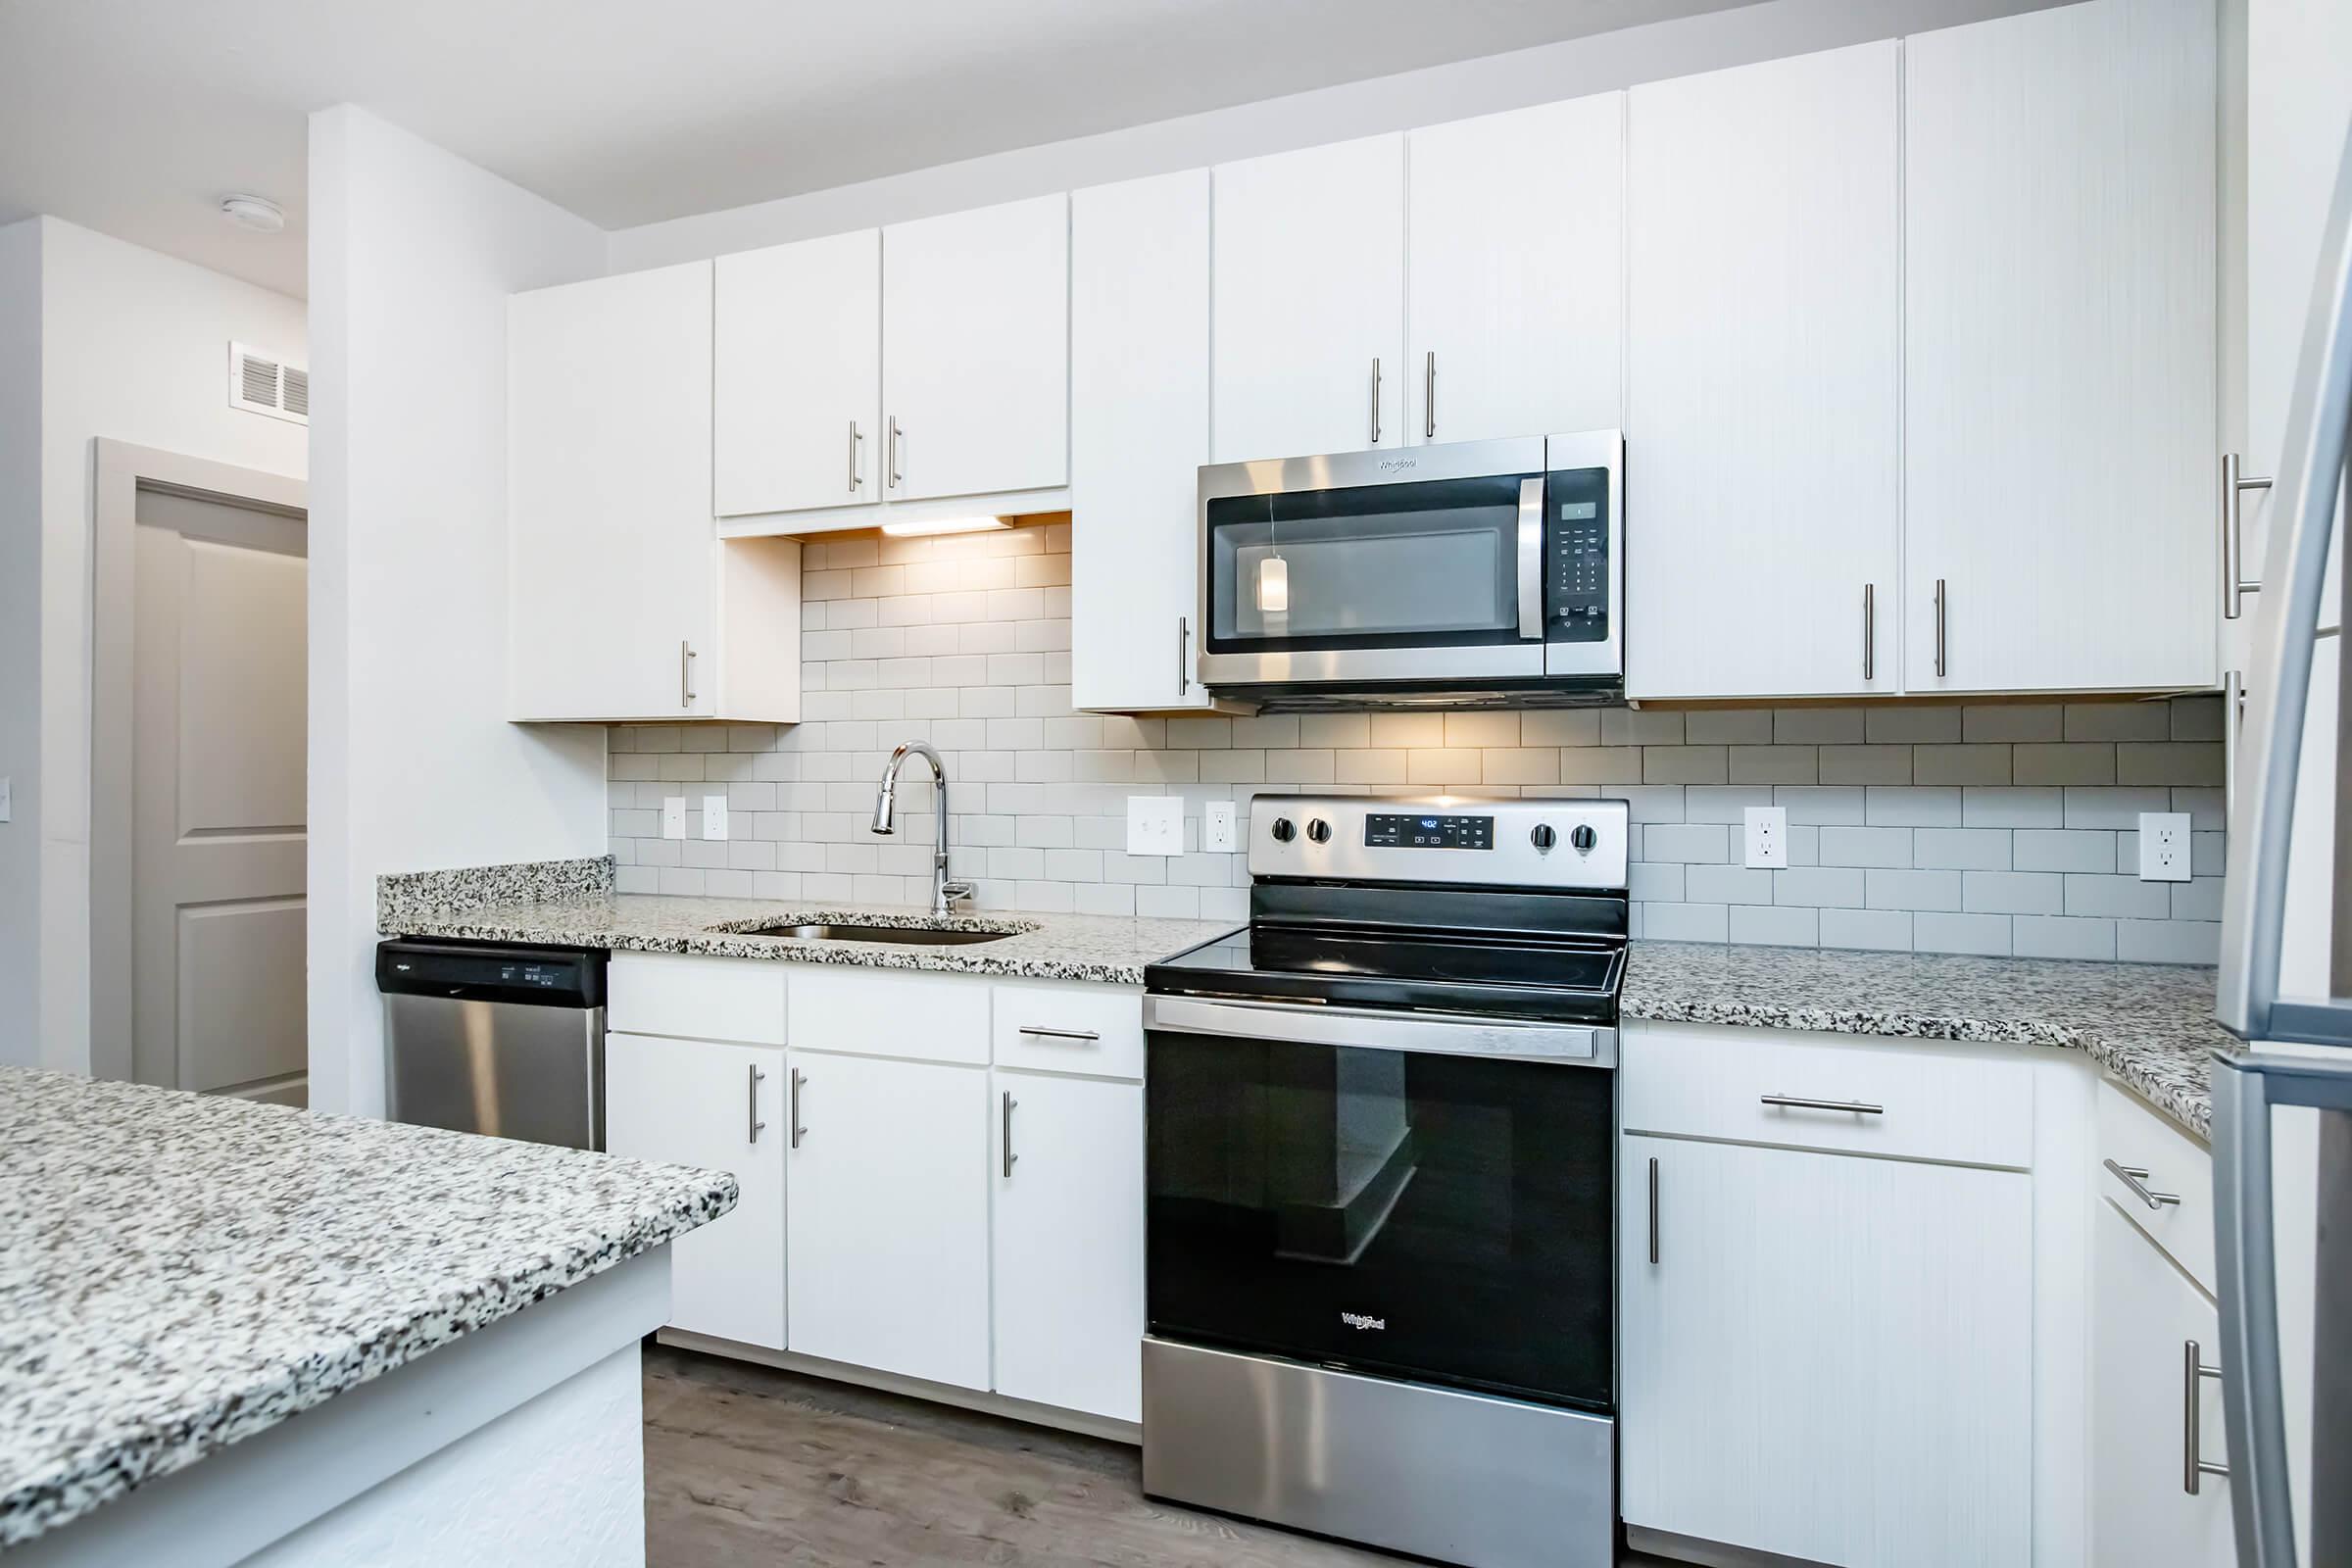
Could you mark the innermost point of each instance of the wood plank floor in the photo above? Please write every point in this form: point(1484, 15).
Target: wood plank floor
point(749, 1465)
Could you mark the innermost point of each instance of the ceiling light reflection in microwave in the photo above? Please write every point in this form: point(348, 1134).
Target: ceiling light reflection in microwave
point(1273, 585)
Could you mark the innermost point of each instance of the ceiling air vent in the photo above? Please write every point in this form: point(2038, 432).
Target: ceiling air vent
point(263, 383)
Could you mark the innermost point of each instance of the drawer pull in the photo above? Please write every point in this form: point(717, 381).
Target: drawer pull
point(2195, 1467)
point(1800, 1102)
point(1041, 1032)
point(1653, 1209)
point(2134, 1177)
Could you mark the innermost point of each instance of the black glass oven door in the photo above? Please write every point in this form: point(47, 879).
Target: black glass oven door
point(1441, 1217)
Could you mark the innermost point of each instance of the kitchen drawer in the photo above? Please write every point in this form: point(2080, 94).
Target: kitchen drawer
point(701, 998)
point(2138, 1138)
point(884, 1012)
point(1070, 1028)
point(1972, 1104)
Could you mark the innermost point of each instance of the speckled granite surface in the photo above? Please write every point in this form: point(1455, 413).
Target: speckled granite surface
point(416, 893)
point(1043, 947)
point(178, 1272)
point(2150, 1024)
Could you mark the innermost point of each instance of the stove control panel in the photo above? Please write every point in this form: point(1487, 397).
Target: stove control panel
point(1503, 843)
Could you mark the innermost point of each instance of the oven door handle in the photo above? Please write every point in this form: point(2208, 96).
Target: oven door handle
point(1531, 556)
point(1371, 1029)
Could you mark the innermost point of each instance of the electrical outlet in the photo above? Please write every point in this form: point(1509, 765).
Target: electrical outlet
point(1766, 838)
point(714, 816)
point(2164, 845)
point(1155, 824)
point(1217, 826)
point(673, 817)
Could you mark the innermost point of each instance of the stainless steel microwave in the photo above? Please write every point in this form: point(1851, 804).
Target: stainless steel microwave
point(1476, 571)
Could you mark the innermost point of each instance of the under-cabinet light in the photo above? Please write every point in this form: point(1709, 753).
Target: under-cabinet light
point(910, 529)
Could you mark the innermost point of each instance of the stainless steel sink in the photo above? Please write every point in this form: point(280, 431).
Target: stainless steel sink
point(907, 936)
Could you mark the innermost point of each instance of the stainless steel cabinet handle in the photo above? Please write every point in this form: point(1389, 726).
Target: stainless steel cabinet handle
point(1800, 1102)
point(1184, 673)
point(896, 478)
point(857, 469)
point(1043, 1033)
point(1005, 1134)
point(685, 674)
point(1376, 400)
point(1429, 397)
point(1870, 626)
point(2235, 486)
point(1653, 1209)
point(2194, 1467)
point(1940, 600)
point(2233, 715)
point(750, 1101)
point(798, 1131)
point(2134, 1177)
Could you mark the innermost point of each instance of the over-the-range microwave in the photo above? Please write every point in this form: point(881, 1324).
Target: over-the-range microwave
point(1481, 571)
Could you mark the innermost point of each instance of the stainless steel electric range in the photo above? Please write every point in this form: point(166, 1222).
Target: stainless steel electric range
point(1380, 1125)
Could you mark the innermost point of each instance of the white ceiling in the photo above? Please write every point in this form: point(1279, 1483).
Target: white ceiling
point(133, 117)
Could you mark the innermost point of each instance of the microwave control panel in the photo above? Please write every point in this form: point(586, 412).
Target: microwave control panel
point(1576, 546)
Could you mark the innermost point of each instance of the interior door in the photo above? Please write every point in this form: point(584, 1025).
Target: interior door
point(1309, 345)
point(797, 375)
point(1515, 314)
point(1764, 435)
point(220, 733)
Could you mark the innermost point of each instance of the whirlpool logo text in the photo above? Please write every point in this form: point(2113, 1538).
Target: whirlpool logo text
point(1363, 1321)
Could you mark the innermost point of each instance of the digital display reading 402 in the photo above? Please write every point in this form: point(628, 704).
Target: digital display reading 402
point(1413, 832)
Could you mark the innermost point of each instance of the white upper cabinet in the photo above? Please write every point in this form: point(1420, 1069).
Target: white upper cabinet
point(1764, 434)
point(975, 352)
point(2058, 318)
point(1514, 310)
point(1138, 432)
point(1309, 347)
point(798, 375)
point(621, 603)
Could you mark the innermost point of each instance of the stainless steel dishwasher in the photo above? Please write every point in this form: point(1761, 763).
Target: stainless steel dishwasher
point(489, 1038)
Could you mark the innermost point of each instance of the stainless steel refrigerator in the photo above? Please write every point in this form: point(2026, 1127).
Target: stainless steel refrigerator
point(2297, 1051)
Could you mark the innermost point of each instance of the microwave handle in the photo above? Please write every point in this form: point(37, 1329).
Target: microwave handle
point(1531, 556)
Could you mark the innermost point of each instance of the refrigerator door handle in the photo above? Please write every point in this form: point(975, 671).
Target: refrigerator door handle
point(2246, 1264)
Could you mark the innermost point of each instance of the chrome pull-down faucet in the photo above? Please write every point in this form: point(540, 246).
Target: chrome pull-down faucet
point(944, 893)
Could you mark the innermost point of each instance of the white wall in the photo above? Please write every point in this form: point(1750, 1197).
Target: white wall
point(1399, 102)
point(20, 639)
point(133, 345)
point(412, 763)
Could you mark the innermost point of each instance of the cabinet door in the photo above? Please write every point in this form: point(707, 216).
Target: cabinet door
point(889, 1206)
point(721, 1107)
point(1139, 433)
point(976, 351)
point(1765, 362)
point(797, 374)
point(1309, 344)
point(1069, 1242)
point(2059, 349)
point(1831, 1357)
point(2147, 1314)
point(613, 564)
point(1514, 312)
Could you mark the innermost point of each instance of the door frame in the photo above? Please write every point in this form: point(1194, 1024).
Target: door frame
point(123, 471)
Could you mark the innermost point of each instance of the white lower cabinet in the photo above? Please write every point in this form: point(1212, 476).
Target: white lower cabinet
point(888, 1214)
point(2149, 1314)
point(1068, 1256)
point(1828, 1356)
point(718, 1107)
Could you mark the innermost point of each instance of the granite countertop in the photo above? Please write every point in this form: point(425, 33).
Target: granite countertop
point(178, 1272)
point(1043, 947)
point(2150, 1024)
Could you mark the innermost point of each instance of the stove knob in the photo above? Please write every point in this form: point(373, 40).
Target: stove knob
point(1543, 837)
point(1584, 838)
point(1319, 830)
point(1284, 831)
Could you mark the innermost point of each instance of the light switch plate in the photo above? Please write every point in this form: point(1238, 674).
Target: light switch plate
point(1217, 826)
point(1155, 824)
point(1766, 838)
point(2164, 845)
point(673, 816)
point(714, 816)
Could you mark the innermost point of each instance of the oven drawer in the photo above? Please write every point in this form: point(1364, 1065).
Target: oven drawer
point(1091, 1029)
point(1972, 1105)
point(2165, 1164)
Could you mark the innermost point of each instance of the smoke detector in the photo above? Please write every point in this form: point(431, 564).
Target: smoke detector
point(257, 212)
